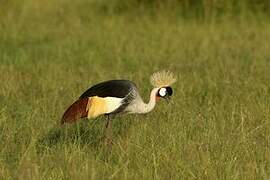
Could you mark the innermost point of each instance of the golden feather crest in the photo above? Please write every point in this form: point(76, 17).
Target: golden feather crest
point(162, 79)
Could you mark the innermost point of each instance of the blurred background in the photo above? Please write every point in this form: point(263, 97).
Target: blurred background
point(216, 128)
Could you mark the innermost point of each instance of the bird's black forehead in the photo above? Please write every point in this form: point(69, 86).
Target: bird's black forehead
point(169, 90)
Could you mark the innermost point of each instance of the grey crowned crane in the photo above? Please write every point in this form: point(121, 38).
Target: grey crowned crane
point(118, 96)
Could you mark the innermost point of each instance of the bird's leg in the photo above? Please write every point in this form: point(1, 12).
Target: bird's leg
point(108, 133)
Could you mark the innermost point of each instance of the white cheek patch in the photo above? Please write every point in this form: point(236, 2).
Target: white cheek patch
point(162, 92)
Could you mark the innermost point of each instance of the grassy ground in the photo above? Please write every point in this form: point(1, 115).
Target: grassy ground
point(216, 128)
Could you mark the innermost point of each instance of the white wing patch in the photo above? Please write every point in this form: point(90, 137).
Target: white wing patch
point(112, 103)
point(97, 106)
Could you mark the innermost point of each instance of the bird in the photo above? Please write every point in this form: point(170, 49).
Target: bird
point(118, 96)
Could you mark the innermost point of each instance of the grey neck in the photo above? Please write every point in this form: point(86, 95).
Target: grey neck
point(145, 108)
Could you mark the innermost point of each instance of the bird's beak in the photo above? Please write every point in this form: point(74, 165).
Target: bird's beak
point(168, 99)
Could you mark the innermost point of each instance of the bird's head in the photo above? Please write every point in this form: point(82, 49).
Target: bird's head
point(164, 92)
point(162, 81)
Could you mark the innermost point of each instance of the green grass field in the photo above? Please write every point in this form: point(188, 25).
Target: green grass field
point(217, 126)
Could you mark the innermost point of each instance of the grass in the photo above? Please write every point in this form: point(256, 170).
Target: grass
point(216, 128)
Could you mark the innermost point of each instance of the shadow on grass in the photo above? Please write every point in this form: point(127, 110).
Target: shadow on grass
point(83, 133)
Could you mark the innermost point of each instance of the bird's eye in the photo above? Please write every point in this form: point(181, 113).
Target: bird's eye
point(162, 92)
